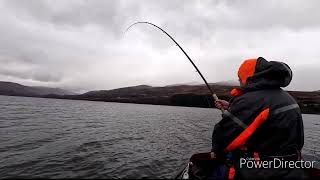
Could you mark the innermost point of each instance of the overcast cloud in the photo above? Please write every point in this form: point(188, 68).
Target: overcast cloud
point(80, 45)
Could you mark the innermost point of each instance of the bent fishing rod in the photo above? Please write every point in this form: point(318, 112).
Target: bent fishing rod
point(215, 97)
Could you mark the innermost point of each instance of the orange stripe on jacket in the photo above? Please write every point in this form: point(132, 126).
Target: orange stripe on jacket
point(236, 92)
point(246, 70)
point(244, 136)
point(256, 157)
point(231, 173)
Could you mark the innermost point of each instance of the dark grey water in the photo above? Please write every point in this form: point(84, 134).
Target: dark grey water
point(49, 138)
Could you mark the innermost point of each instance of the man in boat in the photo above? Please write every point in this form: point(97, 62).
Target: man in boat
point(261, 122)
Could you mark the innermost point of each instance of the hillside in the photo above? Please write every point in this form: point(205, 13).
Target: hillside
point(15, 89)
point(179, 95)
point(174, 95)
point(183, 95)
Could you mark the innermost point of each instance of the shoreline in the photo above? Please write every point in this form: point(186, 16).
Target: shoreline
point(304, 108)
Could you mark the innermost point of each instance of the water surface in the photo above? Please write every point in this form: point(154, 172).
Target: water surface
point(52, 138)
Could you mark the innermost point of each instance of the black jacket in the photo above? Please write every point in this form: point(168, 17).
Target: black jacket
point(282, 130)
point(262, 119)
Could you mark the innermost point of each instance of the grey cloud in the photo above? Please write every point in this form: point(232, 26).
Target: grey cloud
point(80, 45)
point(305, 78)
point(42, 75)
point(77, 13)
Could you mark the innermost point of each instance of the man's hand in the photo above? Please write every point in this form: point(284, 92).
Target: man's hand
point(221, 104)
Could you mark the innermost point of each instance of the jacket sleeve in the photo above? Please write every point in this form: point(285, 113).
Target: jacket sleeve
point(234, 121)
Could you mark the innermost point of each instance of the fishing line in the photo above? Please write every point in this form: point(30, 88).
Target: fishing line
point(215, 97)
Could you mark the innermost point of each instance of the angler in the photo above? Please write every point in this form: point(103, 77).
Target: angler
point(262, 122)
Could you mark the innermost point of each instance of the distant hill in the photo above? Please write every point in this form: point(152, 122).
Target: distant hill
point(149, 91)
point(220, 83)
point(183, 95)
point(227, 83)
point(174, 95)
point(15, 89)
point(177, 95)
point(192, 83)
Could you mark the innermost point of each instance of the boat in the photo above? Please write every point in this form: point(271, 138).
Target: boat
point(201, 166)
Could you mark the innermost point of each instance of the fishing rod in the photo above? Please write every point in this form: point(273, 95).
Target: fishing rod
point(215, 97)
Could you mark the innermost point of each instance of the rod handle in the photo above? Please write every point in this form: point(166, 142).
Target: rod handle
point(215, 97)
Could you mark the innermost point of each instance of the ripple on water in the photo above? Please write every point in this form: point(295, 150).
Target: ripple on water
point(48, 138)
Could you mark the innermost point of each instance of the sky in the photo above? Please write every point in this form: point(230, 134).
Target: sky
point(80, 45)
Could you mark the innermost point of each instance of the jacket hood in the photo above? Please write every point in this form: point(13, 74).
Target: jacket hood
point(268, 75)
